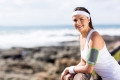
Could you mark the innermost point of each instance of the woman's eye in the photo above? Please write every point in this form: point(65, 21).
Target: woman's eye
point(75, 20)
point(81, 19)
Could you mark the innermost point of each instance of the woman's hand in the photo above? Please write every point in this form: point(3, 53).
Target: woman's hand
point(69, 77)
point(64, 73)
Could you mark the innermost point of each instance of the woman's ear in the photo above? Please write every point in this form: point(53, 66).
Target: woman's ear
point(88, 19)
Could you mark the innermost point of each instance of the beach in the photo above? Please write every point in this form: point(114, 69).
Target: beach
point(44, 62)
point(40, 38)
point(42, 53)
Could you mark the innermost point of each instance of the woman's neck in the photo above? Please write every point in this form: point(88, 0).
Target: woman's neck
point(85, 33)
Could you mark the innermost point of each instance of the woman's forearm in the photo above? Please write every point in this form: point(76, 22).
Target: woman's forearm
point(83, 69)
point(80, 64)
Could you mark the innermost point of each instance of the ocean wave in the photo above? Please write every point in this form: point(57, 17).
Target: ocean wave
point(33, 38)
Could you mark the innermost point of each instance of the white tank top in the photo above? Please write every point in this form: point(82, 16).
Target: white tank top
point(106, 66)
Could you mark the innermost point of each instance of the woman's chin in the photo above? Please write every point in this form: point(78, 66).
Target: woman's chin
point(79, 29)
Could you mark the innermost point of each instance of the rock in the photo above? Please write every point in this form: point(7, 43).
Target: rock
point(14, 54)
point(42, 76)
point(42, 63)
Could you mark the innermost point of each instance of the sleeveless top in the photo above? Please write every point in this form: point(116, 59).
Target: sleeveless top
point(106, 66)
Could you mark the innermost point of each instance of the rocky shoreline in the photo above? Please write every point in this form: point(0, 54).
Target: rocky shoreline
point(43, 63)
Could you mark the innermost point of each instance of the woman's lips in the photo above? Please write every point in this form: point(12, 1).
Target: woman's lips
point(79, 26)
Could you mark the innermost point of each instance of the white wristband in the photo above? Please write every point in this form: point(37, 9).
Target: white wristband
point(71, 69)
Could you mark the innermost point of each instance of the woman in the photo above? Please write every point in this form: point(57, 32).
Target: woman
point(94, 54)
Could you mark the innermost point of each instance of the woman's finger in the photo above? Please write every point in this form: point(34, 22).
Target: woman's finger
point(69, 77)
point(62, 75)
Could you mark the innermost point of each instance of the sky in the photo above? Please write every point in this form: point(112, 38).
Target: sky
point(56, 12)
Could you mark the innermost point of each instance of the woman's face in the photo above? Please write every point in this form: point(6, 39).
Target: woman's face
point(81, 22)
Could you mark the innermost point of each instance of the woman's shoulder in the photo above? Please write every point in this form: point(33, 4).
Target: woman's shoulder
point(96, 40)
point(96, 36)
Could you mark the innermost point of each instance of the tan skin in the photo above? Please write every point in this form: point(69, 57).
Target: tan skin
point(81, 23)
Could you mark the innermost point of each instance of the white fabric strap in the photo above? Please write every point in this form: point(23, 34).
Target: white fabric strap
point(71, 69)
point(81, 12)
point(89, 34)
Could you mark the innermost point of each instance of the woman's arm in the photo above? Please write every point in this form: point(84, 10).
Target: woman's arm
point(82, 62)
point(96, 43)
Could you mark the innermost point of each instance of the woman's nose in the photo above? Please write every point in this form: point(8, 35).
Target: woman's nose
point(78, 22)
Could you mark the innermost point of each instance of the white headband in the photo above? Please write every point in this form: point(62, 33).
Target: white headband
point(81, 12)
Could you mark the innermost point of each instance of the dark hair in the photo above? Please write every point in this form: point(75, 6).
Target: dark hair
point(84, 9)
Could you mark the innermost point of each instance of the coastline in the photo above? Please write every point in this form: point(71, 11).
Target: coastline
point(46, 62)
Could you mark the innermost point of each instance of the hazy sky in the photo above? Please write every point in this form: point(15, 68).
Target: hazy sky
point(56, 12)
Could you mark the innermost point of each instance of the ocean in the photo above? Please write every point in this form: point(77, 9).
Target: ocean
point(35, 36)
